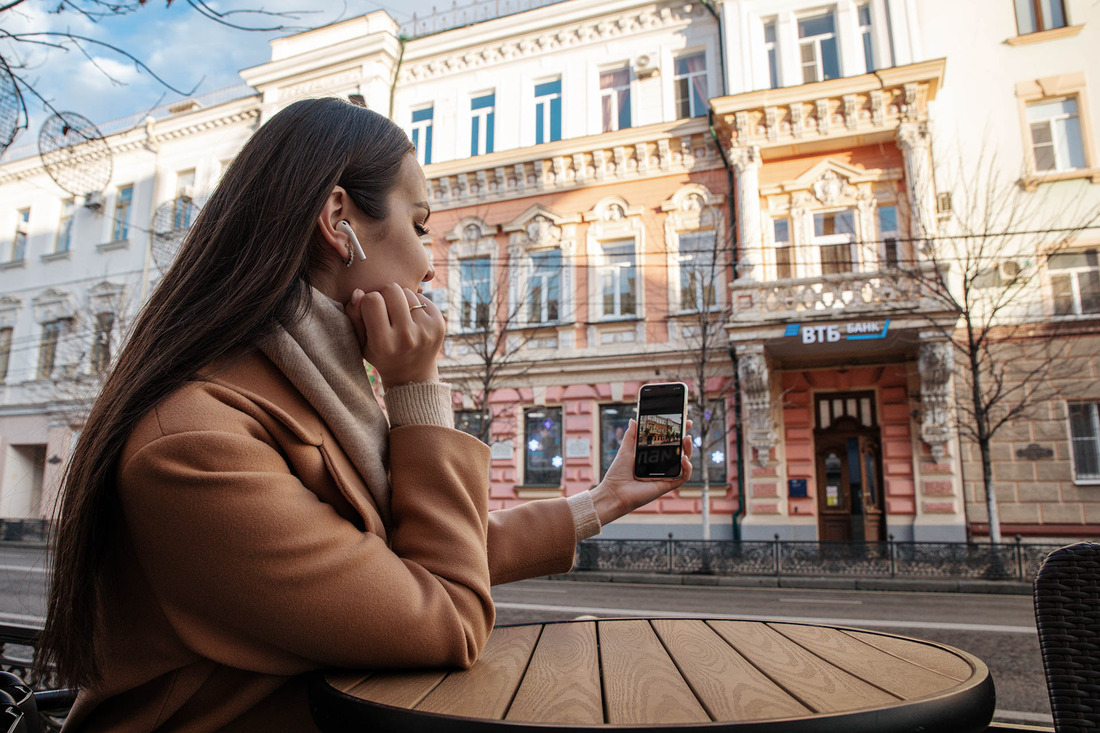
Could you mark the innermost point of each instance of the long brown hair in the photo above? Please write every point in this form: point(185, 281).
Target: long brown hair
point(244, 266)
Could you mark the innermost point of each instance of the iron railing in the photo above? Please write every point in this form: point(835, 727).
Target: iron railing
point(778, 558)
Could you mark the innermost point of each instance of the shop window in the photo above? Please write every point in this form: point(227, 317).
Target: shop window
point(548, 111)
point(818, 47)
point(543, 460)
point(712, 455)
point(474, 286)
point(1039, 15)
point(690, 81)
point(422, 133)
point(471, 422)
point(835, 236)
point(1084, 428)
point(120, 222)
point(482, 114)
point(618, 279)
point(615, 99)
point(1075, 282)
point(614, 420)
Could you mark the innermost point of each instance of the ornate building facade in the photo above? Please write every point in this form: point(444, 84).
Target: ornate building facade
point(738, 195)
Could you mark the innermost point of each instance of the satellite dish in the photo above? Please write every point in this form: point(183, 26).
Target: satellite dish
point(13, 113)
point(170, 226)
point(74, 153)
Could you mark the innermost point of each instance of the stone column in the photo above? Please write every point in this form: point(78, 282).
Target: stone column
point(915, 141)
point(756, 395)
point(936, 361)
point(746, 161)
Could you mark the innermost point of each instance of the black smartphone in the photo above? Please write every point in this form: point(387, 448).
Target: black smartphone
point(662, 412)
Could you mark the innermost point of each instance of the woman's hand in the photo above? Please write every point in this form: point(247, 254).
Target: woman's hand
point(400, 333)
point(620, 493)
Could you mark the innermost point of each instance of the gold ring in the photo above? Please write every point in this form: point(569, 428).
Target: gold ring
point(412, 308)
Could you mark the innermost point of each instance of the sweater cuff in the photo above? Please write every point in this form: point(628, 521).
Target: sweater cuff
point(424, 403)
point(585, 518)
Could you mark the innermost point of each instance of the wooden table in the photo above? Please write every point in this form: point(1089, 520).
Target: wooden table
point(689, 674)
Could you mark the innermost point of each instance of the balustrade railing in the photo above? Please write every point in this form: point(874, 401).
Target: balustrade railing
point(889, 559)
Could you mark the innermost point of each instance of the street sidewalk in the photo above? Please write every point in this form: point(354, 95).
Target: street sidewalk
point(914, 585)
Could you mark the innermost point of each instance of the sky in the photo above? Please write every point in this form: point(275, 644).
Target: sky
point(189, 51)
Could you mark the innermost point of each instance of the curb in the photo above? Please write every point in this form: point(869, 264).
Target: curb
point(912, 585)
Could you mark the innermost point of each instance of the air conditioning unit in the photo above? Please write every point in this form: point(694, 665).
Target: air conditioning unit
point(439, 297)
point(645, 66)
point(93, 201)
point(1008, 270)
point(943, 203)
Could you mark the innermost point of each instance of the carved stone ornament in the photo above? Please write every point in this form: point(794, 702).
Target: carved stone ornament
point(540, 230)
point(471, 233)
point(752, 370)
point(936, 361)
point(614, 212)
point(829, 188)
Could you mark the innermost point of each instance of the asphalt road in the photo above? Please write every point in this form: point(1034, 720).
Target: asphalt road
point(999, 630)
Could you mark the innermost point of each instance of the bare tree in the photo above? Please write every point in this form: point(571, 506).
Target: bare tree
point(985, 271)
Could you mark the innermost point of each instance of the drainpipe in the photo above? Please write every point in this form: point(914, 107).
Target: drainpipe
point(738, 435)
point(401, 55)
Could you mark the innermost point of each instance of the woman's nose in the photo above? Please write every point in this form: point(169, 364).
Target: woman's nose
point(430, 274)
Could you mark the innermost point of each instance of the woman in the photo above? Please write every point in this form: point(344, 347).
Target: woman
point(238, 510)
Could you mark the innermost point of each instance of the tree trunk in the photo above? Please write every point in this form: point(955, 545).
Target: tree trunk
point(990, 494)
point(706, 502)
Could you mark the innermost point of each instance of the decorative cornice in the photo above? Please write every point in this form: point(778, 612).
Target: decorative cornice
point(596, 30)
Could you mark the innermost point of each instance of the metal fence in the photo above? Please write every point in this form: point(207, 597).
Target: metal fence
point(778, 558)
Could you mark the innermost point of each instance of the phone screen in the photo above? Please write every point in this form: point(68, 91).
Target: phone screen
point(661, 409)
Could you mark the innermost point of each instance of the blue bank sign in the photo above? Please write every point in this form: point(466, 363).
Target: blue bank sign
point(831, 333)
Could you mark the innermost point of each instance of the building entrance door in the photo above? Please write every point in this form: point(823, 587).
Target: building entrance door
point(847, 444)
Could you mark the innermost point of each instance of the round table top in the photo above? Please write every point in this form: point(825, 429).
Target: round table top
point(691, 674)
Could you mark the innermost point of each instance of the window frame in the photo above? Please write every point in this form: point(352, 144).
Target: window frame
point(615, 121)
point(688, 78)
point(100, 359)
point(787, 247)
point(866, 35)
point(466, 286)
point(422, 126)
point(698, 286)
point(1037, 91)
point(722, 432)
point(888, 238)
point(1088, 480)
point(548, 112)
point(1074, 275)
point(527, 450)
point(6, 335)
point(605, 267)
point(120, 219)
point(816, 42)
point(52, 332)
point(1037, 8)
point(771, 53)
point(63, 242)
point(482, 123)
point(834, 240)
point(19, 240)
point(550, 276)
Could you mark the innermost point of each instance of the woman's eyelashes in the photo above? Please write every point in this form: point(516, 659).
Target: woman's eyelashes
point(421, 229)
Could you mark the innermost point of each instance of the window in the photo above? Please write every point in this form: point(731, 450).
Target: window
point(1056, 142)
point(888, 236)
point(713, 454)
point(5, 352)
point(120, 223)
point(866, 35)
point(817, 45)
point(19, 241)
point(615, 99)
point(474, 283)
point(471, 422)
point(784, 266)
point(182, 208)
point(690, 80)
point(698, 270)
point(542, 460)
point(1075, 282)
point(618, 279)
point(834, 234)
point(101, 342)
point(772, 50)
point(47, 347)
point(544, 287)
point(548, 112)
point(65, 226)
point(1039, 15)
point(1084, 429)
point(481, 123)
point(422, 134)
point(614, 420)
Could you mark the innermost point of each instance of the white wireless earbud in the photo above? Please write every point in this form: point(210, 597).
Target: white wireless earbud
point(344, 227)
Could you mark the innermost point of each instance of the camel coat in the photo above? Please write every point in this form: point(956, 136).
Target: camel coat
point(253, 553)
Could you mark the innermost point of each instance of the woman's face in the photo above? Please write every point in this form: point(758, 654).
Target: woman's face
point(392, 245)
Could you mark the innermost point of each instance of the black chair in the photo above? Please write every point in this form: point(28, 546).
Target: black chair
point(1067, 614)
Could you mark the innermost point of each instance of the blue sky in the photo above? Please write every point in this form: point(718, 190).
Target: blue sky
point(176, 42)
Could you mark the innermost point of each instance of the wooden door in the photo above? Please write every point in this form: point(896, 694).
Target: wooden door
point(833, 489)
point(870, 459)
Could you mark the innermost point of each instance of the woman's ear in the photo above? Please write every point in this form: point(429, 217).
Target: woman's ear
point(334, 211)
